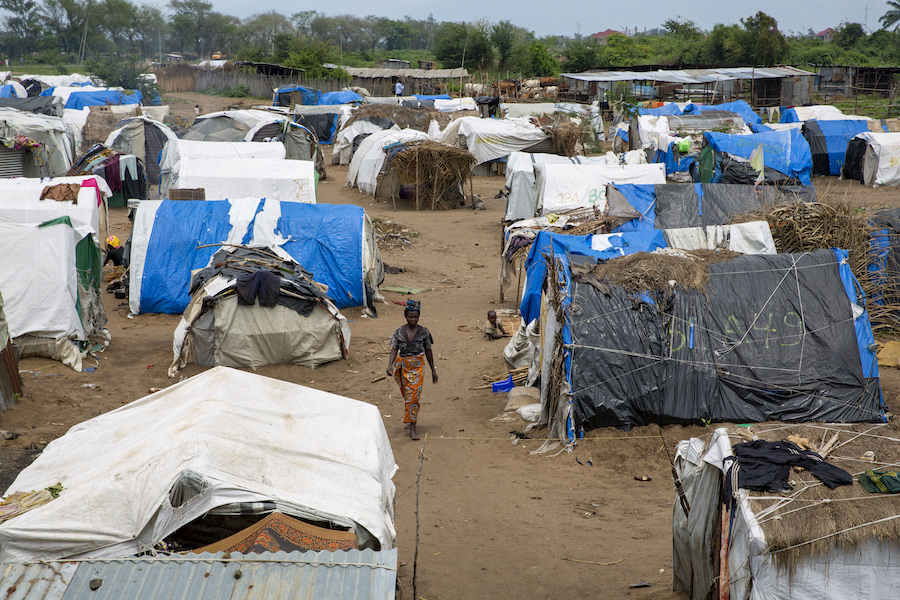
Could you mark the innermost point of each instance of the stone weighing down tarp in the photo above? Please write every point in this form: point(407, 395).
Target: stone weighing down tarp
point(774, 338)
point(336, 244)
point(135, 475)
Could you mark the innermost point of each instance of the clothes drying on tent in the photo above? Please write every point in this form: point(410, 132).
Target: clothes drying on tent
point(144, 138)
point(235, 320)
point(124, 173)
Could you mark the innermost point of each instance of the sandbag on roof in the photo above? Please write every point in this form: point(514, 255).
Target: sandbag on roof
point(133, 476)
point(336, 244)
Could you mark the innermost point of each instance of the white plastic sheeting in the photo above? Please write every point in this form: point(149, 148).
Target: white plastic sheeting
point(343, 143)
point(369, 158)
point(20, 202)
point(565, 187)
point(520, 179)
point(177, 149)
point(753, 237)
point(57, 151)
point(238, 437)
point(285, 180)
point(823, 112)
point(489, 139)
point(455, 104)
point(881, 163)
point(39, 280)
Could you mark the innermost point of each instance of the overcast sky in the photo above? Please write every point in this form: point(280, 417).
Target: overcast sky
point(568, 18)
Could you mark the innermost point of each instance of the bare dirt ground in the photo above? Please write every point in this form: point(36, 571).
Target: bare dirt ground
point(495, 521)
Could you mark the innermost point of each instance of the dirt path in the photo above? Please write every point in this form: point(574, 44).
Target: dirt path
point(495, 521)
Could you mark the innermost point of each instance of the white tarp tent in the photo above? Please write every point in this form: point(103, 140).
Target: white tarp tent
point(228, 125)
point(56, 152)
point(370, 157)
point(881, 160)
point(489, 139)
point(51, 275)
point(520, 178)
point(145, 138)
point(565, 187)
point(135, 475)
point(343, 143)
point(285, 180)
point(176, 150)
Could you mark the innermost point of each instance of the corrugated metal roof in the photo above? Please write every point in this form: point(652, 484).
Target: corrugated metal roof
point(369, 73)
point(689, 76)
point(355, 574)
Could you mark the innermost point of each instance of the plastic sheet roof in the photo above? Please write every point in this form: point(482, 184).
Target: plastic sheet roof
point(690, 76)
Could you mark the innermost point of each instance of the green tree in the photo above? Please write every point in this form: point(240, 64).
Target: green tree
point(762, 42)
point(503, 36)
point(542, 64)
point(23, 25)
point(684, 29)
point(723, 46)
point(581, 54)
point(124, 72)
point(848, 35)
point(462, 44)
point(892, 16)
point(150, 29)
point(117, 23)
point(189, 24)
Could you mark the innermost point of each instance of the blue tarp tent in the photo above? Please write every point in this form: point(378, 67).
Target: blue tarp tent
point(564, 246)
point(433, 97)
point(308, 96)
point(828, 142)
point(8, 91)
point(80, 100)
point(329, 241)
point(345, 97)
point(785, 151)
point(738, 106)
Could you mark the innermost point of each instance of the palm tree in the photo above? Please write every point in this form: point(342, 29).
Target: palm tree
point(892, 16)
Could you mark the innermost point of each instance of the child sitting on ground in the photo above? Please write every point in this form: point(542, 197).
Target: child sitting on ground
point(493, 329)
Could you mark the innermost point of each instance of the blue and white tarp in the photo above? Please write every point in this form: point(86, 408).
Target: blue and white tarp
point(308, 96)
point(344, 97)
point(336, 244)
point(785, 151)
point(738, 106)
point(83, 96)
point(828, 142)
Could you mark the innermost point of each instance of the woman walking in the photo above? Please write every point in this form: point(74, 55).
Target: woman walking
point(410, 348)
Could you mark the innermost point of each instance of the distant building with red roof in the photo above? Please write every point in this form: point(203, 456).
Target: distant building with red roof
point(602, 36)
point(825, 35)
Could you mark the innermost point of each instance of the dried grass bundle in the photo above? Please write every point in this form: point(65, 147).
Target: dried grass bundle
point(831, 223)
point(566, 137)
point(436, 169)
point(649, 271)
point(411, 118)
point(845, 517)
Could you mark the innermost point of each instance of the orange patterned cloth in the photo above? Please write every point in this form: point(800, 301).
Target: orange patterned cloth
point(281, 532)
point(409, 373)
